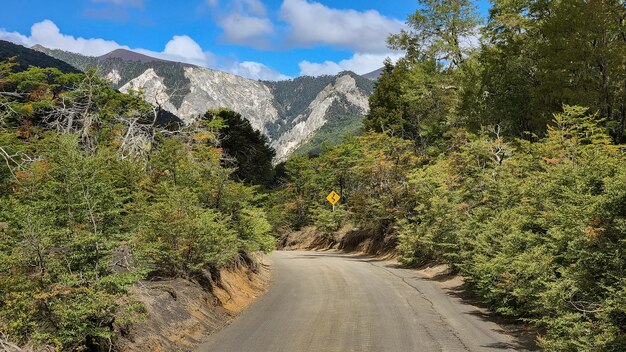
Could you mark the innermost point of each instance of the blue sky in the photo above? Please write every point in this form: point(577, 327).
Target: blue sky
point(264, 39)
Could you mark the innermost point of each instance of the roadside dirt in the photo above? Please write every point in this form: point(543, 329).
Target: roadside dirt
point(180, 314)
point(348, 239)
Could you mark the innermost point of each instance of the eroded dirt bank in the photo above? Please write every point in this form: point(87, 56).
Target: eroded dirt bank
point(347, 239)
point(180, 313)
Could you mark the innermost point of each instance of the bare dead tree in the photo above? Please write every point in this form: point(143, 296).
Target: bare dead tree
point(140, 132)
point(500, 151)
point(7, 346)
point(78, 112)
point(6, 109)
point(9, 159)
point(16, 160)
point(138, 139)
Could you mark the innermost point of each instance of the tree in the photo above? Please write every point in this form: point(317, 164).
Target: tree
point(252, 156)
point(440, 31)
point(95, 195)
point(419, 97)
point(388, 111)
point(536, 61)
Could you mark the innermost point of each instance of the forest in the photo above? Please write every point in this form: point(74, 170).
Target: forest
point(502, 158)
point(97, 192)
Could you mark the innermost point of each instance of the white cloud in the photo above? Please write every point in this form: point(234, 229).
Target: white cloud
point(254, 7)
point(312, 23)
point(47, 33)
point(256, 70)
point(246, 23)
point(250, 30)
point(180, 48)
point(358, 63)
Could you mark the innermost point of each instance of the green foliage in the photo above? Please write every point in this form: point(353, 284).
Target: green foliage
point(250, 149)
point(368, 172)
point(178, 237)
point(95, 195)
point(329, 221)
point(536, 61)
point(388, 111)
point(64, 223)
point(437, 31)
point(531, 229)
point(254, 231)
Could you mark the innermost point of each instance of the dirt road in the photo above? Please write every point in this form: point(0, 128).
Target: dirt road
point(328, 301)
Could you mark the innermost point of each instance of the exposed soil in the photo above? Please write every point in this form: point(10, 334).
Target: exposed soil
point(347, 239)
point(182, 313)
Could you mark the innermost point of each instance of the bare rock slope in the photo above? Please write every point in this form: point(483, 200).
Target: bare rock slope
point(296, 115)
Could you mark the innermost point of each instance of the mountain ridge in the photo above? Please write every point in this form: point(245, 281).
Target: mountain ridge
point(26, 57)
point(291, 113)
point(374, 75)
point(128, 55)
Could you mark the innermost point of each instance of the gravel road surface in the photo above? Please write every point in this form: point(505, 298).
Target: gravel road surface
point(330, 301)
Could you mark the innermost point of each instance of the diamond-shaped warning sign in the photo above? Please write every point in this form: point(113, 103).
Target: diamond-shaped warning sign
point(333, 197)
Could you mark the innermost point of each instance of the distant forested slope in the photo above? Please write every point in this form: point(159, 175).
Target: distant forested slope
point(26, 57)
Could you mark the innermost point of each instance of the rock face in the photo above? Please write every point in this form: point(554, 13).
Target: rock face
point(212, 89)
point(316, 115)
point(152, 86)
point(290, 113)
point(208, 89)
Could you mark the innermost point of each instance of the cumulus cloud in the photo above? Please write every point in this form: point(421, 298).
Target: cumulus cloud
point(256, 70)
point(313, 23)
point(245, 22)
point(180, 48)
point(358, 63)
point(47, 33)
point(184, 46)
point(250, 30)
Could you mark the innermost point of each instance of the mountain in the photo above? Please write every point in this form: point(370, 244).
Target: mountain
point(318, 110)
point(297, 115)
point(374, 74)
point(26, 57)
point(128, 55)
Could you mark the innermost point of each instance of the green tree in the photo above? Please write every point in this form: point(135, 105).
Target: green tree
point(248, 147)
point(439, 31)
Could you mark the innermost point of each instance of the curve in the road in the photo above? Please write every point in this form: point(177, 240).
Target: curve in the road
point(329, 301)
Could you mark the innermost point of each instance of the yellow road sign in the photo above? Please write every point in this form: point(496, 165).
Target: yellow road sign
point(333, 197)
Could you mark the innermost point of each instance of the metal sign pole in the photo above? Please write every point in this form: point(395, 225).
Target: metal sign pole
point(333, 198)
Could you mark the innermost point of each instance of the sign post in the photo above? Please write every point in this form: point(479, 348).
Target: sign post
point(333, 198)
